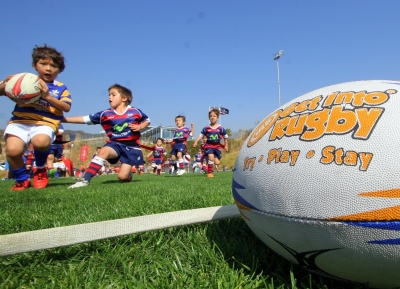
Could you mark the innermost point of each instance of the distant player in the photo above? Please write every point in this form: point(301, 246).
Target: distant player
point(197, 161)
point(212, 148)
point(186, 160)
point(181, 135)
point(56, 149)
point(158, 152)
point(170, 166)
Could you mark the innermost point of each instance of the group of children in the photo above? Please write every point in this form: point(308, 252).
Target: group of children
point(38, 124)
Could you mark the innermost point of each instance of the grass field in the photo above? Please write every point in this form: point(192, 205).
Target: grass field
point(220, 254)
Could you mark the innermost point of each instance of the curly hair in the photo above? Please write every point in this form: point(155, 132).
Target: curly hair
point(44, 52)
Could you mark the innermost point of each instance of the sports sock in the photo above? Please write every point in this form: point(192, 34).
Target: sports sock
point(210, 167)
point(20, 174)
point(41, 158)
point(181, 164)
point(95, 165)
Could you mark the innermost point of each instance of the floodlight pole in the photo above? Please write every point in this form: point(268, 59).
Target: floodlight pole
point(276, 57)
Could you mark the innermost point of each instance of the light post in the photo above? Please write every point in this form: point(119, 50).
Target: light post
point(276, 57)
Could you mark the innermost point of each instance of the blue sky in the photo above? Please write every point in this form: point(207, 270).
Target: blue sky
point(179, 57)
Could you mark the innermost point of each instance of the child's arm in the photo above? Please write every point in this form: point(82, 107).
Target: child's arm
point(61, 105)
point(192, 129)
point(3, 87)
point(226, 144)
point(3, 84)
point(137, 127)
point(197, 140)
point(74, 119)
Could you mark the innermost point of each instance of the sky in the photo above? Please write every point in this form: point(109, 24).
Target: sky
point(181, 56)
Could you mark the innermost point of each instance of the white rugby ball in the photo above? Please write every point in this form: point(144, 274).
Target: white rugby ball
point(23, 87)
point(318, 181)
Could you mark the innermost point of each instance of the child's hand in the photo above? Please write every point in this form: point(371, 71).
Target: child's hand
point(43, 88)
point(135, 127)
point(226, 148)
point(192, 125)
point(195, 144)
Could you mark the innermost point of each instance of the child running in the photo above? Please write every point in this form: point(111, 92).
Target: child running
point(37, 123)
point(122, 124)
point(214, 133)
point(197, 161)
point(158, 153)
point(179, 140)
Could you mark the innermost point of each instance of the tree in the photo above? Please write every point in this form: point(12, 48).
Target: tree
point(229, 132)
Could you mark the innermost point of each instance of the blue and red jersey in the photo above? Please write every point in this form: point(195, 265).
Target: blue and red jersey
point(181, 135)
point(41, 111)
point(158, 153)
point(214, 136)
point(197, 158)
point(116, 125)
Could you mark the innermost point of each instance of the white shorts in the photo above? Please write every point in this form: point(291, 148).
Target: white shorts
point(27, 131)
point(59, 165)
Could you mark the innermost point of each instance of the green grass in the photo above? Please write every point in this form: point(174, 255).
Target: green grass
point(223, 254)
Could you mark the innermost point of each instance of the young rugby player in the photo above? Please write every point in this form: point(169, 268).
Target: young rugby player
point(122, 124)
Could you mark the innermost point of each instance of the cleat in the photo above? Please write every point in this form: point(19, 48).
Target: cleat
point(21, 185)
point(180, 172)
point(210, 175)
point(79, 184)
point(40, 178)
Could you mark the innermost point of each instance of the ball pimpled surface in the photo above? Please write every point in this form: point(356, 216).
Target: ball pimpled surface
point(317, 181)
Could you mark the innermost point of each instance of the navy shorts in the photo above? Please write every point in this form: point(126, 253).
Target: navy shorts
point(157, 161)
point(216, 152)
point(178, 147)
point(126, 154)
point(56, 150)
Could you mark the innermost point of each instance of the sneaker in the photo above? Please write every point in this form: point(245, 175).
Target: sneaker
point(40, 178)
point(180, 172)
point(21, 185)
point(79, 184)
point(210, 175)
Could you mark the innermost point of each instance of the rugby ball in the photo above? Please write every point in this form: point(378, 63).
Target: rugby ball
point(23, 87)
point(318, 182)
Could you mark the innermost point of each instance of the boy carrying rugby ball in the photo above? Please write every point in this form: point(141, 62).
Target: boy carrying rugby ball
point(37, 123)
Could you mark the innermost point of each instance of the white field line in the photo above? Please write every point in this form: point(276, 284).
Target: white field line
point(69, 235)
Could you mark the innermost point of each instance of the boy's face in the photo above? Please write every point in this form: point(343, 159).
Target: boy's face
point(47, 69)
point(159, 143)
point(179, 122)
point(213, 117)
point(115, 98)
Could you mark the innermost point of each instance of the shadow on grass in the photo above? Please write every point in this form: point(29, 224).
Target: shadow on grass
point(242, 249)
point(119, 182)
